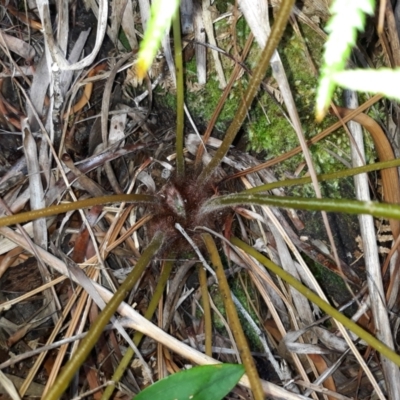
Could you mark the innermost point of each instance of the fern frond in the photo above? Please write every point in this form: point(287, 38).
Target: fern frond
point(348, 17)
point(384, 80)
point(162, 12)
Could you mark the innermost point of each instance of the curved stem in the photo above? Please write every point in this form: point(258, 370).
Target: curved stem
point(259, 73)
point(234, 322)
point(310, 295)
point(180, 160)
point(137, 337)
point(385, 210)
point(62, 208)
point(313, 140)
point(97, 328)
point(326, 177)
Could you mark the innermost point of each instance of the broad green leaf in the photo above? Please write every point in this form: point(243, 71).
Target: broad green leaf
point(347, 18)
point(385, 81)
point(162, 12)
point(208, 382)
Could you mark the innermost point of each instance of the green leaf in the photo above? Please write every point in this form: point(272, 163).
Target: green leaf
point(384, 80)
point(208, 382)
point(162, 12)
point(347, 18)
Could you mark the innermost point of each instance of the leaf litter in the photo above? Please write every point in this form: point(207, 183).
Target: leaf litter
point(56, 141)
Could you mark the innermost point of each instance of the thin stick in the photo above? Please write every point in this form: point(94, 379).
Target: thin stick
point(222, 100)
point(311, 141)
point(259, 73)
point(123, 365)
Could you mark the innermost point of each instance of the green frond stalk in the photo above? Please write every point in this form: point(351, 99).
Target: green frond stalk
point(326, 177)
point(87, 344)
point(137, 337)
point(234, 322)
point(63, 208)
point(258, 74)
point(180, 159)
point(207, 311)
point(385, 210)
point(323, 305)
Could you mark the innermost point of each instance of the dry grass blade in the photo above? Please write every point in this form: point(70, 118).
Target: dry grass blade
point(136, 321)
point(199, 36)
point(322, 295)
point(81, 306)
point(281, 78)
point(208, 25)
point(43, 8)
point(40, 359)
point(9, 387)
point(371, 256)
point(35, 185)
point(36, 192)
point(18, 46)
point(88, 128)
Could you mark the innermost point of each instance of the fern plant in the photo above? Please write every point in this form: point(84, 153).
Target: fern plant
point(347, 19)
point(193, 197)
point(342, 29)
